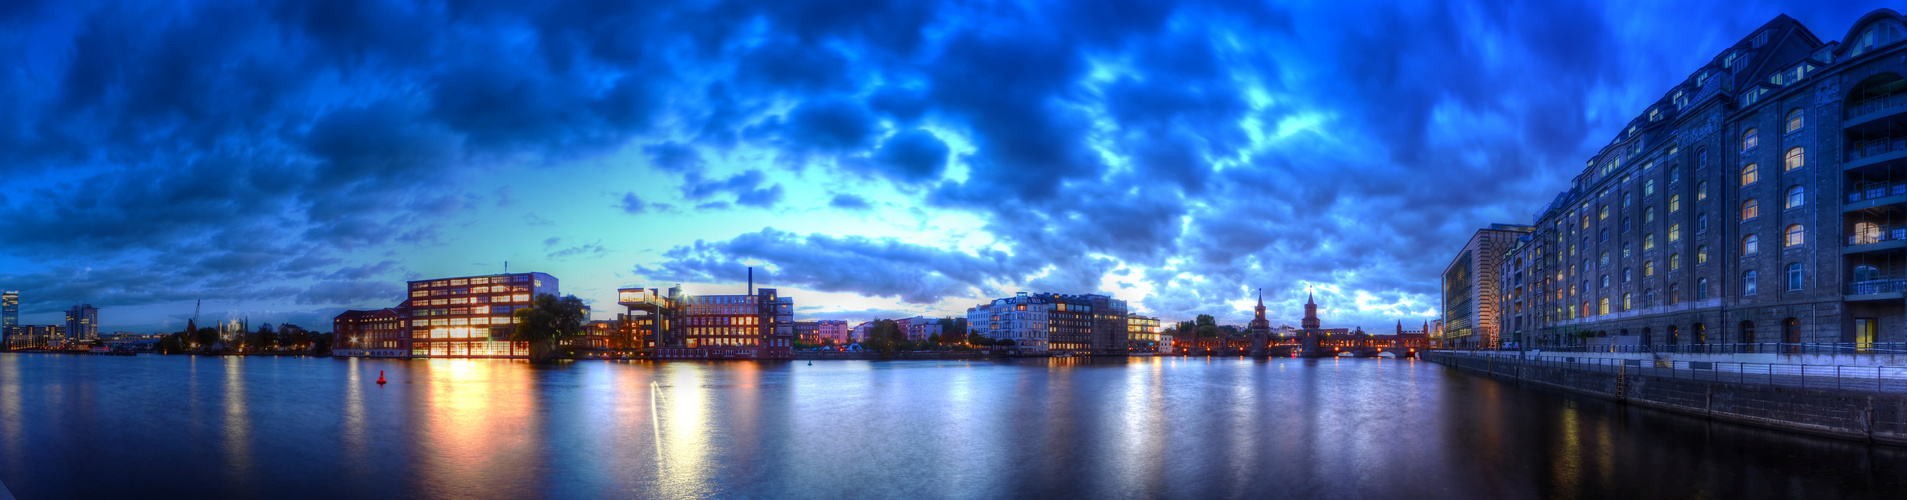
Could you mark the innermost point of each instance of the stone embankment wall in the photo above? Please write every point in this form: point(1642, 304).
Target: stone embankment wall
point(1849, 414)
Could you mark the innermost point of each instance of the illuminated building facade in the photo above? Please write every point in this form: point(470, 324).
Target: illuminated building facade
point(759, 325)
point(378, 333)
point(9, 309)
point(1761, 200)
point(471, 316)
point(1470, 285)
point(835, 330)
point(1142, 333)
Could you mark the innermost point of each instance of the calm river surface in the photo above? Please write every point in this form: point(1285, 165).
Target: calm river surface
point(199, 427)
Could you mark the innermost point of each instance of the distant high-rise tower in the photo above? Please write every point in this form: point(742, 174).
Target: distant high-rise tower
point(9, 310)
point(82, 323)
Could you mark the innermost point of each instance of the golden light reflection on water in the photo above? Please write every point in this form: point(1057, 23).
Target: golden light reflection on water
point(684, 425)
point(1567, 466)
point(356, 444)
point(482, 434)
point(238, 426)
point(10, 399)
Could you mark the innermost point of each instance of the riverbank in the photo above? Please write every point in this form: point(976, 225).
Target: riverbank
point(1838, 410)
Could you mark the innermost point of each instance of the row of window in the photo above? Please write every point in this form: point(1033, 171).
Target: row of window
point(1749, 286)
point(472, 281)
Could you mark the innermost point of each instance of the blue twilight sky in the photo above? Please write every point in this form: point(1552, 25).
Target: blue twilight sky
point(289, 160)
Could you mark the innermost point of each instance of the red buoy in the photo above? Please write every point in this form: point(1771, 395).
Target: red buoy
point(380, 377)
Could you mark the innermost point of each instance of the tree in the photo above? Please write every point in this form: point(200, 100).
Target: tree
point(547, 318)
point(206, 337)
point(934, 339)
point(884, 336)
point(1207, 326)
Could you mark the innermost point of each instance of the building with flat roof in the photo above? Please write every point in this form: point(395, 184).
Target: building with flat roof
point(1470, 285)
point(82, 324)
point(380, 333)
point(464, 317)
point(1021, 319)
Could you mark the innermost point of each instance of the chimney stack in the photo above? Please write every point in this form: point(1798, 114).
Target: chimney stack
point(751, 280)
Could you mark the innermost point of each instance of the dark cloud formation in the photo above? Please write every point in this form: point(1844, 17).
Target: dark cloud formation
point(283, 150)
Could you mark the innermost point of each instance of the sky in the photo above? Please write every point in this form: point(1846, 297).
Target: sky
point(286, 161)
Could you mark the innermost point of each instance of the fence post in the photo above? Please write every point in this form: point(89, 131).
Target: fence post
point(1837, 376)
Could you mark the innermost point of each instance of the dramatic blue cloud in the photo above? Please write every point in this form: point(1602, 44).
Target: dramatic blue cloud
point(289, 159)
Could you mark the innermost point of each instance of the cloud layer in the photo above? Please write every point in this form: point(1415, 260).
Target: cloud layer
point(315, 154)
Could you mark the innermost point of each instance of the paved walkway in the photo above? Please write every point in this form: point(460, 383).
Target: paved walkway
point(1851, 377)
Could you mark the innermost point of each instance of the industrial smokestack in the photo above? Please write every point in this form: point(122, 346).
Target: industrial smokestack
point(751, 280)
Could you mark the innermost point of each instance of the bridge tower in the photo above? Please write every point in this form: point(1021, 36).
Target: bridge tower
point(1260, 328)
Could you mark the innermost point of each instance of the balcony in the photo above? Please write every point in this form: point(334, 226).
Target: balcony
point(1874, 108)
point(1875, 151)
point(1884, 288)
point(1876, 237)
point(1876, 194)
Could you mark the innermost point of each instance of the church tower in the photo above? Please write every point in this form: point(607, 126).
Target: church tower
point(1310, 313)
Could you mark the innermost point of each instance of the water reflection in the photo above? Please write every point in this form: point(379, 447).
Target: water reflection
point(1146, 427)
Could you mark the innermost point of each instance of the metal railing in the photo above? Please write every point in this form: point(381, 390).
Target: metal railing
point(1884, 233)
point(1877, 285)
point(1876, 192)
point(1806, 376)
point(1736, 348)
point(1877, 103)
point(1875, 147)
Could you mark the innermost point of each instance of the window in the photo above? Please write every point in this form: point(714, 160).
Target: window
point(1602, 306)
point(1675, 232)
point(1701, 223)
point(1866, 232)
point(1603, 213)
point(1866, 273)
point(1748, 140)
point(1626, 303)
point(1605, 281)
point(1701, 159)
point(1749, 245)
point(1675, 174)
point(1701, 254)
point(1794, 276)
point(1796, 195)
point(1625, 200)
point(1675, 203)
point(1750, 209)
point(1748, 283)
point(1625, 224)
point(1648, 215)
point(1794, 160)
point(1701, 289)
point(1625, 275)
point(1701, 191)
point(1605, 259)
point(1604, 235)
point(1648, 187)
point(1648, 242)
point(1675, 261)
point(1675, 293)
point(1794, 120)
point(1795, 235)
point(1625, 250)
point(1750, 174)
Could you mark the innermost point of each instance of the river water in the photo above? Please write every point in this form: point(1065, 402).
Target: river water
point(208, 427)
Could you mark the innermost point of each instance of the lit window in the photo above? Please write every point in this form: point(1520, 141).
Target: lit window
point(1675, 261)
point(1648, 242)
point(1701, 191)
point(1794, 159)
point(1675, 203)
point(1603, 214)
point(1648, 269)
point(1648, 187)
point(1794, 120)
point(1750, 209)
point(1701, 254)
point(1675, 232)
point(1626, 304)
point(1795, 235)
point(1603, 306)
point(1648, 215)
point(1750, 174)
